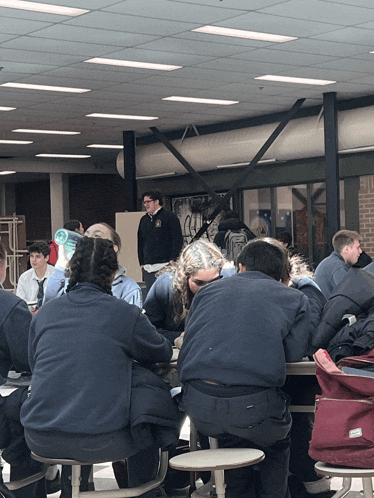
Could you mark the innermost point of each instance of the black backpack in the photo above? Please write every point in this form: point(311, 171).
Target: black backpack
point(235, 240)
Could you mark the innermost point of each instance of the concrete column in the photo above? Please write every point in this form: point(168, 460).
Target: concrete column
point(2, 200)
point(59, 200)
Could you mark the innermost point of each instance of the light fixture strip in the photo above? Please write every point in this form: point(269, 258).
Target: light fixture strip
point(7, 108)
point(46, 132)
point(140, 65)
point(240, 33)
point(64, 156)
point(48, 88)
point(120, 116)
point(18, 142)
point(7, 172)
point(105, 146)
point(195, 100)
point(42, 7)
point(291, 79)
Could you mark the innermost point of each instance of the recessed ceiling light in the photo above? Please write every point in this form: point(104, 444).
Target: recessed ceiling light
point(42, 7)
point(7, 108)
point(240, 33)
point(104, 146)
point(71, 156)
point(120, 116)
point(19, 142)
point(141, 65)
point(7, 172)
point(289, 79)
point(45, 87)
point(47, 132)
point(201, 101)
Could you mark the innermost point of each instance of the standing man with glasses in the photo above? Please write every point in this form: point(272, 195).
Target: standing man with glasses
point(160, 238)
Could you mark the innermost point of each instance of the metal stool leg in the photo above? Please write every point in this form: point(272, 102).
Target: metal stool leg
point(347, 483)
point(367, 485)
point(219, 478)
point(75, 480)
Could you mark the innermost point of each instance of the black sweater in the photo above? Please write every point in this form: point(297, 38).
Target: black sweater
point(159, 238)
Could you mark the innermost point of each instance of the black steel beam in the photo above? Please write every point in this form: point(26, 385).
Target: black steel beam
point(130, 170)
point(248, 169)
point(161, 137)
point(332, 165)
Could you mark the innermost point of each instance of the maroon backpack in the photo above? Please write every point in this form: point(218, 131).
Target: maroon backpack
point(343, 432)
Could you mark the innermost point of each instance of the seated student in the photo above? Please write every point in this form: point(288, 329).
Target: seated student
point(239, 334)
point(122, 287)
point(170, 297)
point(15, 321)
point(85, 349)
point(32, 283)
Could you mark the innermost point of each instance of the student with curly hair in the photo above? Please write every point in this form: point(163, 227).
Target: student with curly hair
point(169, 299)
point(84, 348)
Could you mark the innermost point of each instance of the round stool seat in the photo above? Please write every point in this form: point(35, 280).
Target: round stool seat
point(59, 461)
point(217, 459)
point(327, 469)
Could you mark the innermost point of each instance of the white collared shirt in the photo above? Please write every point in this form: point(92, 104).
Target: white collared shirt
point(28, 285)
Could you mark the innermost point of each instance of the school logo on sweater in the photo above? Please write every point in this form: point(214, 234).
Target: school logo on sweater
point(158, 223)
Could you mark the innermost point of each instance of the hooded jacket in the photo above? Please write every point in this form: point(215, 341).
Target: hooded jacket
point(122, 287)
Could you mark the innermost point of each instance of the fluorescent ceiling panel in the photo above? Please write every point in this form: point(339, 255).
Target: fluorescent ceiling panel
point(141, 65)
point(201, 101)
point(289, 79)
point(8, 108)
point(240, 33)
point(47, 132)
point(104, 146)
point(70, 156)
point(18, 142)
point(45, 87)
point(120, 116)
point(42, 7)
point(7, 172)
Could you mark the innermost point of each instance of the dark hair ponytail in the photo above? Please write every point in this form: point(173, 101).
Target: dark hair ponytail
point(95, 261)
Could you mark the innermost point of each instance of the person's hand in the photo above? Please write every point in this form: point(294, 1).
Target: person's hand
point(179, 341)
point(172, 262)
point(62, 260)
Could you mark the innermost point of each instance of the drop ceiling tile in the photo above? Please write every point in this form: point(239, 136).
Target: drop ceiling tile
point(250, 68)
point(21, 26)
point(91, 72)
point(178, 45)
point(177, 83)
point(358, 3)
point(320, 73)
point(277, 24)
point(322, 47)
point(55, 46)
point(349, 65)
point(200, 73)
point(29, 15)
point(174, 11)
point(271, 56)
point(159, 57)
point(354, 35)
point(24, 67)
point(345, 15)
point(95, 35)
point(133, 24)
point(33, 57)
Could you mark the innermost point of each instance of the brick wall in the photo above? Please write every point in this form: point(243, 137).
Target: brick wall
point(366, 203)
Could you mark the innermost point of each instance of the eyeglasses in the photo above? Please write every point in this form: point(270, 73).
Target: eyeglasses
point(147, 202)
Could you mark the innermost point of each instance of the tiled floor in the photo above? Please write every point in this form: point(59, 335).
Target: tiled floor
point(104, 478)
